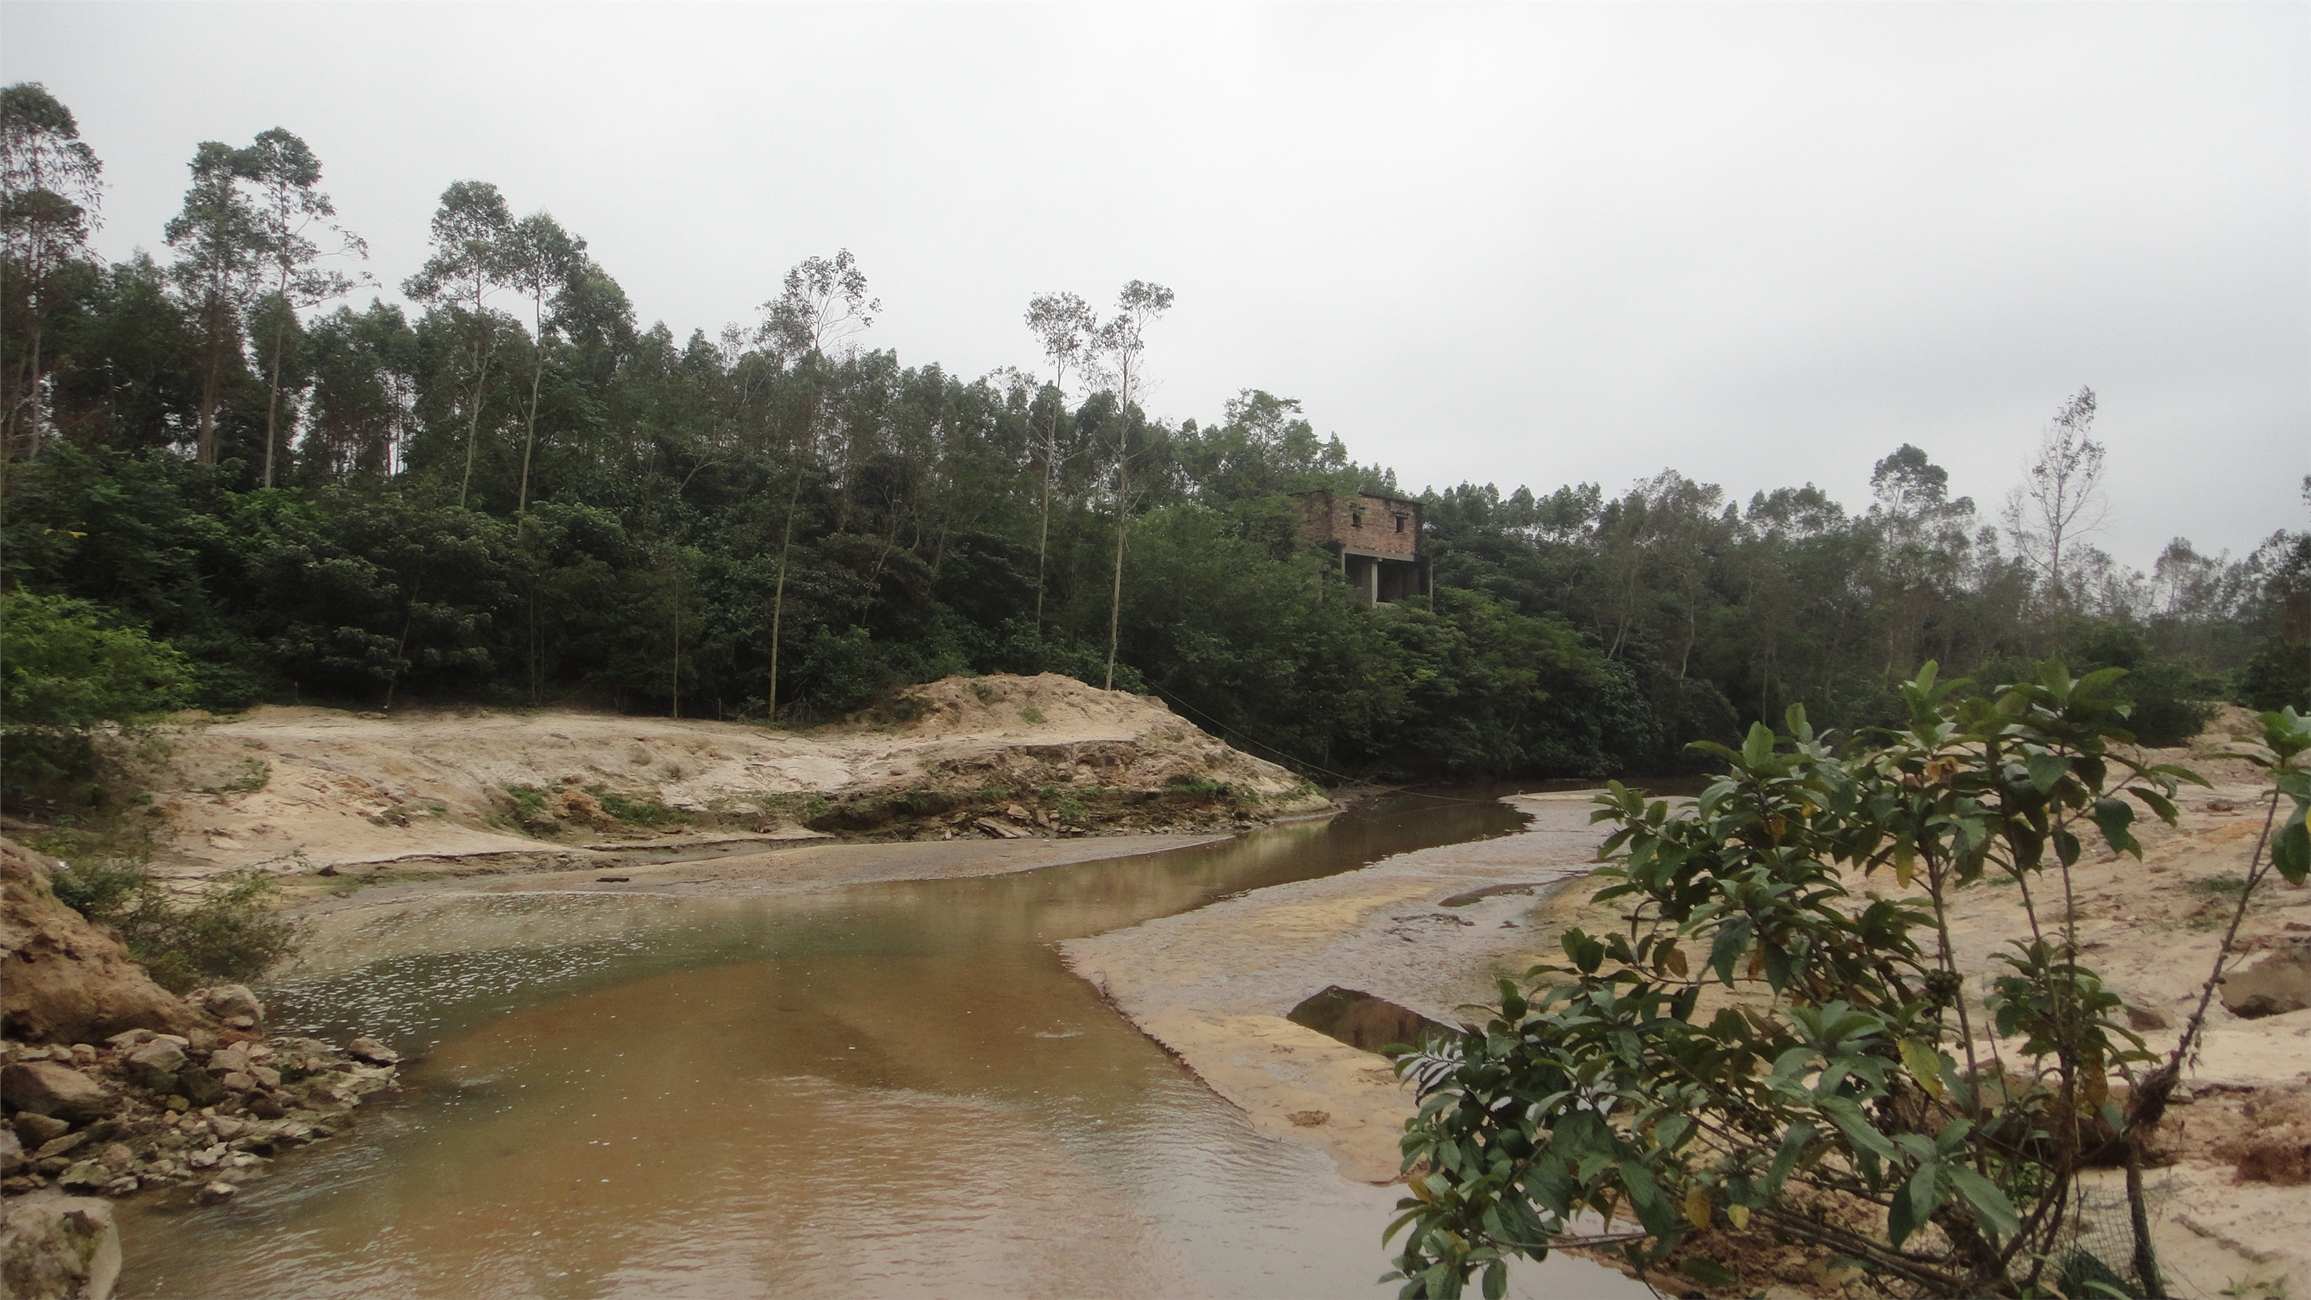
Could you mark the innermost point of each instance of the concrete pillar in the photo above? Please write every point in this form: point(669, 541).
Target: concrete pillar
point(1372, 581)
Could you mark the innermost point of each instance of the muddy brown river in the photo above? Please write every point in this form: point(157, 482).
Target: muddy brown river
point(883, 1089)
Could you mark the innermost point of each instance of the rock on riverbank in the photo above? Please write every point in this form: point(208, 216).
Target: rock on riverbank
point(112, 1086)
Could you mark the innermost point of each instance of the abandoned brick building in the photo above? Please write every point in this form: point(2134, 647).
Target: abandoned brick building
point(1376, 538)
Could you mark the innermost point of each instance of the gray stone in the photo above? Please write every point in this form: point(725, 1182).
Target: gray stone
point(372, 1051)
point(36, 1129)
point(155, 1065)
point(58, 1146)
point(230, 1002)
point(88, 1175)
point(67, 1247)
point(11, 1152)
point(46, 1088)
point(199, 1086)
point(129, 1038)
point(217, 1193)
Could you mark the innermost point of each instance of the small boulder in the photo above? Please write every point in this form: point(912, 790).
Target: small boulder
point(230, 1003)
point(46, 1088)
point(199, 1086)
point(217, 1193)
point(11, 1152)
point(129, 1039)
point(117, 1157)
point(36, 1129)
point(87, 1176)
point(62, 1247)
point(238, 1081)
point(372, 1051)
point(155, 1065)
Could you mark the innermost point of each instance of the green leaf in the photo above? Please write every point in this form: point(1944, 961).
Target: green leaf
point(2291, 849)
point(2114, 817)
point(1496, 1279)
point(1989, 1204)
point(1708, 1272)
point(1757, 746)
point(2046, 770)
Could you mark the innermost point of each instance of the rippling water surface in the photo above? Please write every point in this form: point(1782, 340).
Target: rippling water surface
point(889, 1089)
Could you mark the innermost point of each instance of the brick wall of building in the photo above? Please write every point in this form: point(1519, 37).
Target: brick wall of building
point(1386, 525)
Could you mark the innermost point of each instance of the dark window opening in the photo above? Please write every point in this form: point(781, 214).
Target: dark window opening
point(1400, 523)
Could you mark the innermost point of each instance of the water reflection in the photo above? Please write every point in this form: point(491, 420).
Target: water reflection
point(891, 1089)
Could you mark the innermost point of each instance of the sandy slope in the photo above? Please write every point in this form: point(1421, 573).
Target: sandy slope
point(342, 788)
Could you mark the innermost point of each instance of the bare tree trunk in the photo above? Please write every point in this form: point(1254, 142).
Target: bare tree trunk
point(1115, 595)
point(1043, 538)
point(778, 592)
point(530, 434)
point(205, 447)
point(473, 426)
point(32, 396)
point(530, 437)
point(272, 409)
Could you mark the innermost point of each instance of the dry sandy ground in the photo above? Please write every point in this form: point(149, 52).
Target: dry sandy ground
point(301, 789)
point(1215, 985)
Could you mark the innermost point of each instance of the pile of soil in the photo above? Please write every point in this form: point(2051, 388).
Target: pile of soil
point(293, 790)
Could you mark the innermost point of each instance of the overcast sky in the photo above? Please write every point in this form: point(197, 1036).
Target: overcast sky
point(1760, 244)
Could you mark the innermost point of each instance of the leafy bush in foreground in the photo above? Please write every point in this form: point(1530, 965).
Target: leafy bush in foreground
point(1763, 1047)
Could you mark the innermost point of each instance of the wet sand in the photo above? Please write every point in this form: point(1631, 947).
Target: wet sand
point(1214, 985)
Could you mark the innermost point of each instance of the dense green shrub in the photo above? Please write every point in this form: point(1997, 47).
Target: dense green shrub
point(64, 671)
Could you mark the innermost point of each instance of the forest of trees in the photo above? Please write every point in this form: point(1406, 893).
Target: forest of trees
point(522, 496)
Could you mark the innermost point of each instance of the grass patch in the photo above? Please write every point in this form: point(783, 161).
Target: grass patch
point(983, 691)
point(1197, 784)
point(1033, 716)
point(250, 774)
point(634, 812)
point(2224, 886)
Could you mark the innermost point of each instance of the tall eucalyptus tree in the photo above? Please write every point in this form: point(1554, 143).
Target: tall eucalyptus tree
point(1122, 342)
point(220, 251)
point(49, 194)
point(540, 261)
point(823, 304)
point(288, 210)
point(1068, 329)
point(2061, 497)
point(470, 235)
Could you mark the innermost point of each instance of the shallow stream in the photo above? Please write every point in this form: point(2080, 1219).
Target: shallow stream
point(883, 1089)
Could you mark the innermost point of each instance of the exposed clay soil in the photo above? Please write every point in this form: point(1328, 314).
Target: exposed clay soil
point(302, 790)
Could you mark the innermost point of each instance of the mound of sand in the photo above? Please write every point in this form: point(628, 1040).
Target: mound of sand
point(295, 789)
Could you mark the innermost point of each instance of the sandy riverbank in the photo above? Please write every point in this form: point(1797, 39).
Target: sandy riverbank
point(1214, 985)
point(298, 791)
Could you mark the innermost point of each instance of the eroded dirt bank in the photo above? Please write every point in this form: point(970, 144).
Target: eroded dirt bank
point(303, 790)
